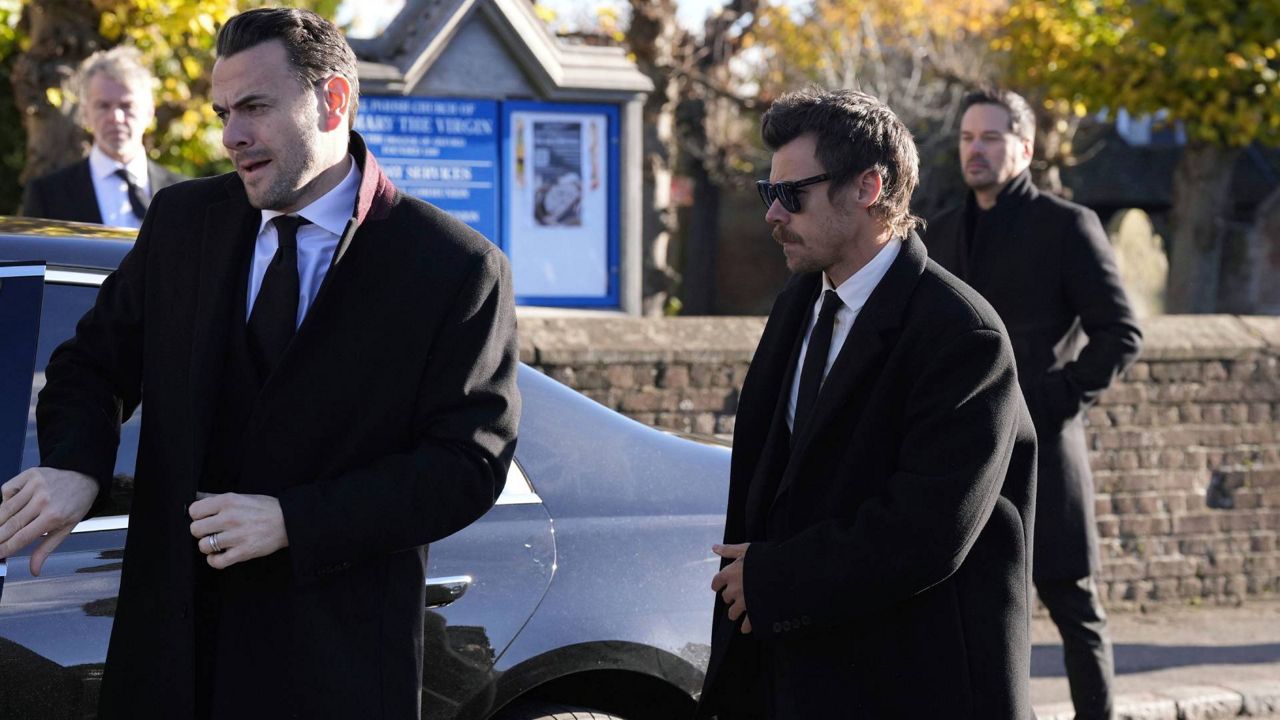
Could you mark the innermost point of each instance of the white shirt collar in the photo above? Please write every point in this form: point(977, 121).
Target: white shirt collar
point(103, 167)
point(332, 210)
point(855, 291)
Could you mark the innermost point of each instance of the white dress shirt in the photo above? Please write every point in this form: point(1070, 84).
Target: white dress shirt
point(316, 242)
point(113, 192)
point(853, 294)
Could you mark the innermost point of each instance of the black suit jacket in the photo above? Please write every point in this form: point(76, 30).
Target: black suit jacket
point(892, 560)
point(389, 423)
point(68, 194)
point(1047, 267)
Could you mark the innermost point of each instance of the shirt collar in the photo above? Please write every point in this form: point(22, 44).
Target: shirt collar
point(103, 167)
point(330, 211)
point(855, 291)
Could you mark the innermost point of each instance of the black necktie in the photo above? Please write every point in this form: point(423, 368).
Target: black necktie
point(275, 312)
point(815, 360)
point(137, 201)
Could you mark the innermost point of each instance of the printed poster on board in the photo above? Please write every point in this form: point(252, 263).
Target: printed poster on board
point(558, 234)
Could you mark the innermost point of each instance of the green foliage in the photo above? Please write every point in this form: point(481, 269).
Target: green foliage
point(13, 137)
point(176, 38)
point(1214, 65)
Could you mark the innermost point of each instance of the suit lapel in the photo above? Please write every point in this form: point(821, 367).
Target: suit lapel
point(846, 388)
point(776, 361)
point(159, 177)
point(83, 194)
point(230, 227)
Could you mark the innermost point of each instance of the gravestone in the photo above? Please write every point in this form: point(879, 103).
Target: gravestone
point(1140, 255)
point(1264, 237)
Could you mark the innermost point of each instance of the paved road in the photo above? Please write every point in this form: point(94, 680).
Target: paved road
point(1171, 649)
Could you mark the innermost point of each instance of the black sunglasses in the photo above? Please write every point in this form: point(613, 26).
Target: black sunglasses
point(786, 192)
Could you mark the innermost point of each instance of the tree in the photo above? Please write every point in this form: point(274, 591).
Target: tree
point(12, 135)
point(655, 40)
point(712, 139)
point(175, 36)
point(1211, 65)
point(917, 56)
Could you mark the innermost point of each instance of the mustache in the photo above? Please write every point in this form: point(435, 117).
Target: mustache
point(783, 235)
point(250, 158)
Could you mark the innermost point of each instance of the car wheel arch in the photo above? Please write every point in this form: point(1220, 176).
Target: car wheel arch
point(632, 680)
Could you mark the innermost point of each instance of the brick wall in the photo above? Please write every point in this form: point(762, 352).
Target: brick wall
point(1185, 448)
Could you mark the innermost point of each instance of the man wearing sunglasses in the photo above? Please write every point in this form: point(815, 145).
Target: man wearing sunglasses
point(1047, 267)
point(883, 476)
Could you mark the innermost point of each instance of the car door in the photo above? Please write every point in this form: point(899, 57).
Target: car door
point(483, 582)
point(21, 293)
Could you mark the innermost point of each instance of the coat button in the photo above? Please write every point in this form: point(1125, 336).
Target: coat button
point(805, 619)
point(777, 627)
point(786, 625)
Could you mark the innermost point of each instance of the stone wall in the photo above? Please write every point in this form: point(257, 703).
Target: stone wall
point(1185, 448)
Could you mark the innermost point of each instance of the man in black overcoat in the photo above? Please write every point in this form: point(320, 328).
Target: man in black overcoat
point(1046, 266)
point(114, 185)
point(329, 369)
point(877, 542)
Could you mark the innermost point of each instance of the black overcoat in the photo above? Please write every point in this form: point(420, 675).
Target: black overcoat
point(389, 423)
point(1046, 266)
point(68, 194)
point(888, 575)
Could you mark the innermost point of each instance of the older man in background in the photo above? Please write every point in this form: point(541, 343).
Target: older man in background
point(114, 185)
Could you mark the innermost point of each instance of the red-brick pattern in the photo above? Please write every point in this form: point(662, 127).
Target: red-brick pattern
point(1185, 446)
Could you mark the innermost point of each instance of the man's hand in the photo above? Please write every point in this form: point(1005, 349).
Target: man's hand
point(728, 582)
point(231, 528)
point(42, 501)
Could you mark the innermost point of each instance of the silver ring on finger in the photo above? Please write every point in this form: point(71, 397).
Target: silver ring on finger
point(213, 543)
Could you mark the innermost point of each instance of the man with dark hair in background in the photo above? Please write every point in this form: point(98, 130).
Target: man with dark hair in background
point(1047, 267)
point(330, 377)
point(114, 185)
point(882, 485)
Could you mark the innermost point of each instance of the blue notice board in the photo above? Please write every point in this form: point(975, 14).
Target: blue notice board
point(442, 150)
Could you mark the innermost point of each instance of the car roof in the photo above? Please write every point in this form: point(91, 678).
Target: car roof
point(65, 244)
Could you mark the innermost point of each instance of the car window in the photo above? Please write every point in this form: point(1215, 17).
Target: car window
point(64, 305)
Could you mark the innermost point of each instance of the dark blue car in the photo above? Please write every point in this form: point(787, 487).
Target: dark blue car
point(585, 589)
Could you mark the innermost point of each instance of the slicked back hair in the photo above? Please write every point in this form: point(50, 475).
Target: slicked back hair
point(855, 132)
point(316, 48)
point(1022, 121)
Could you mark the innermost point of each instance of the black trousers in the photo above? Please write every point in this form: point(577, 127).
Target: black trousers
point(1086, 644)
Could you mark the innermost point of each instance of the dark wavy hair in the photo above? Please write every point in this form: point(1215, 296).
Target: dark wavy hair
point(855, 133)
point(1022, 121)
point(316, 47)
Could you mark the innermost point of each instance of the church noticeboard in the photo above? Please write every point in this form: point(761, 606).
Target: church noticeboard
point(442, 150)
point(560, 202)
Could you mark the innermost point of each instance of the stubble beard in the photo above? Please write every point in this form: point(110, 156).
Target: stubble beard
point(286, 187)
point(795, 263)
point(984, 180)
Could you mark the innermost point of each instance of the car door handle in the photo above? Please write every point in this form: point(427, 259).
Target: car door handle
point(444, 590)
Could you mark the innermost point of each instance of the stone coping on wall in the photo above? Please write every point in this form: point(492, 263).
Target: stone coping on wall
point(577, 339)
